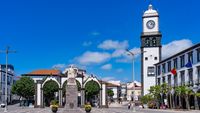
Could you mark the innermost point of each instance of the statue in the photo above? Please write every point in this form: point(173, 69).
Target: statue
point(72, 72)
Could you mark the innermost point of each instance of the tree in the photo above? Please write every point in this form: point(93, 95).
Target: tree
point(24, 87)
point(165, 90)
point(110, 93)
point(184, 91)
point(146, 98)
point(49, 88)
point(155, 91)
point(91, 88)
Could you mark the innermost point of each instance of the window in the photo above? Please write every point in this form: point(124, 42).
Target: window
point(169, 80)
point(146, 58)
point(198, 55)
point(169, 66)
point(163, 80)
point(147, 42)
point(151, 71)
point(182, 60)
point(198, 75)
point(154, 42)
point(163, 68)
point(158, 81)
point(182, 78)
point(155, 58)
point(8, 80)
point(158, 70)
point(175, 80)
point(4, 77)
point(175, 63)
point(190, 56)
point(190, 74)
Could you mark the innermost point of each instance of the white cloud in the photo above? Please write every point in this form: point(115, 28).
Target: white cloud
point(126, 57)
point(106, 67)
point(110, 45)
point(120, 70)
point(118, 53)
point(93, 58)
point(87, 43)
point(175, 47)
point(109, 78)
point(59, 66)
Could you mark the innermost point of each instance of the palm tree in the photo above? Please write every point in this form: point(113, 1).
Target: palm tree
point(184, 91)
point(178, 93)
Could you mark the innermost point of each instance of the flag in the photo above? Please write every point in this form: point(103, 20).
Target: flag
point(173, 71)
point(189, 64)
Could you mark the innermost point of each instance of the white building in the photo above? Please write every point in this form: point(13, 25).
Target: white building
point(150, 48)
point(137, 90)
point(10, 78)
point(188, 75)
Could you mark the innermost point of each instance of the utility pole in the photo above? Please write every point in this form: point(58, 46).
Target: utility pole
point(7, 51)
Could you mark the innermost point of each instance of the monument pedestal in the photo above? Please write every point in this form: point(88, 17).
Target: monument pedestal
point(71, 97)
point(71, 105)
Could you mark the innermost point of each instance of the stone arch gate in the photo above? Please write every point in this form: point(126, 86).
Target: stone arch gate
point(60, 79)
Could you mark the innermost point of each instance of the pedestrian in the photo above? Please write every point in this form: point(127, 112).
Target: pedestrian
point(129, 105)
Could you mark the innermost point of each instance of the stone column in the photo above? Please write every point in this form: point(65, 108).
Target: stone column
point(60, 96)
point(196, 103)
point(38, 94)
point(104, 97)
point(100, 98)
point(35, 96)
point(82, 97)
point(42, 98)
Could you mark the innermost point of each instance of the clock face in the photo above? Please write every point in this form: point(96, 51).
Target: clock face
point(150, 24)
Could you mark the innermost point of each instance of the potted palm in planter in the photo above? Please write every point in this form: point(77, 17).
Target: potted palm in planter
point(88, 107)
point(54, 106)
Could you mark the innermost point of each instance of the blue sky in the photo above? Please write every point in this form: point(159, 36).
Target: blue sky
point(90, 33)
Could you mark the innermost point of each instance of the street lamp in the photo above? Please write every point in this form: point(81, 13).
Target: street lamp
point(133, 55)
point(7, 51)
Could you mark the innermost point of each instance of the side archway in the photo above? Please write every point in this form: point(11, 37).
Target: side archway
point(92, 92)
point(50, 92)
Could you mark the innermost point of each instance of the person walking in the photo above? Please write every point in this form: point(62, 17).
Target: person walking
point(129, 105)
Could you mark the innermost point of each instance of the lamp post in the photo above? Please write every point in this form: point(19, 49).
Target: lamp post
point(7, 51)
point(133, 73)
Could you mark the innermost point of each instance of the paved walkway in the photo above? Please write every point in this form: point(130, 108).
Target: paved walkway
point(122, 109)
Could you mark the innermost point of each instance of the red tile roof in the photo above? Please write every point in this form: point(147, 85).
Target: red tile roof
point(45, 72)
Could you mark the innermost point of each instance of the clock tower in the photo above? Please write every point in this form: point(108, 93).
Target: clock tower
point(150, 47)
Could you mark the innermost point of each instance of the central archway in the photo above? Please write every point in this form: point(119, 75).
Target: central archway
point(92, 92)
point(64, 88)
